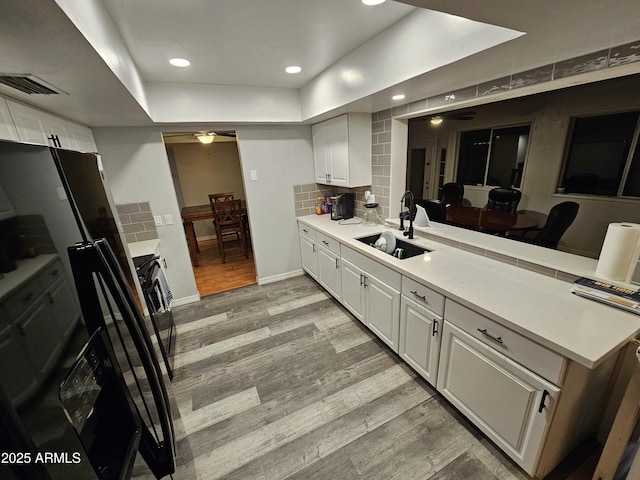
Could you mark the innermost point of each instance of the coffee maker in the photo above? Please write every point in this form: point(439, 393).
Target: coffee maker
point(342, 206)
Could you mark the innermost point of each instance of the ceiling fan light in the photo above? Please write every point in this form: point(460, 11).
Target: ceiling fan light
point(205, 138)
point(436, 120)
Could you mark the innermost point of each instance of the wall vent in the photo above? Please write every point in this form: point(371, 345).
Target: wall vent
point(29, 84)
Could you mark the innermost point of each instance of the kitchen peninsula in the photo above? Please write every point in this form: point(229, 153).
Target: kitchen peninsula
point(519, 355)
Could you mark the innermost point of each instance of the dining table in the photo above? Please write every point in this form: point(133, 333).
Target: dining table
point(489, 221)
point(192, 214)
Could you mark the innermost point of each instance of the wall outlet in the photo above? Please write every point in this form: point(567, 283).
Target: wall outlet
point(158, 220)
point(168, 219)
point(253, 174)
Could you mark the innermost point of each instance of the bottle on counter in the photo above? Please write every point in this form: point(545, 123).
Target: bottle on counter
point(319, 206)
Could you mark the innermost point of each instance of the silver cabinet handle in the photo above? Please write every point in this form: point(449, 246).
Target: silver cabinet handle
point(325, 242)
point(337, 264)
point(365, 281)
point(361, 280)
point(487, 334)
point(314, 248)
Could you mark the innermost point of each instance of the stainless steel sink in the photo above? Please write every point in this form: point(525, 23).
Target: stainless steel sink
point(409, 249)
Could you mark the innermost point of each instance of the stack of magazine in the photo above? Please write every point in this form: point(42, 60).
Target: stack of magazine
point(604, 292)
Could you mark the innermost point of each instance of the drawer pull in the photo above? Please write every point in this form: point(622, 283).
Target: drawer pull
point(545, 394)
point(421, 297)
point(27, 297)
point(325, 242)
point(51, 301)
point(487, 334)
point(54, 273)
point(314, 248)
point(305, 230)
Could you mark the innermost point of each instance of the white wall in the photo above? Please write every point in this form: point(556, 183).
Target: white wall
point(281, 157)
point(136, 163)
point(137, 168)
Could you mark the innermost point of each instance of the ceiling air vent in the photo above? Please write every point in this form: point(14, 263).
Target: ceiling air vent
point(29, 84)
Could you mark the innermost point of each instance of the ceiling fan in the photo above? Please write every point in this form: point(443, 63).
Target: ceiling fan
point(204, 136)
point(457, 115)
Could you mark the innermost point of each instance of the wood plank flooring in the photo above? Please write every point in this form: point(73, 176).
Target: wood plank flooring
point(212, 276)
point(281, 382)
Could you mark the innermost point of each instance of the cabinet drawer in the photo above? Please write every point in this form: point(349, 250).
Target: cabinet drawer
point(528, 353)
point(423, 295)
point(328, 243)
point(50, 274)
point(306, 230)
point(19, 301)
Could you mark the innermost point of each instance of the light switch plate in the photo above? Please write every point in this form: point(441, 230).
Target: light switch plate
point(158, 220)
point(253, 174)
point(168, 219)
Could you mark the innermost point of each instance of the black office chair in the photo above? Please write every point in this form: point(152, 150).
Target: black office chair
point(436, 210)
point(452, 193)
point(560, 218)
point(505, 199)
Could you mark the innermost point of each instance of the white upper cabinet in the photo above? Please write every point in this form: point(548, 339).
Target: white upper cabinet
point(36, 126)
point(7, 128)
point(342, 150)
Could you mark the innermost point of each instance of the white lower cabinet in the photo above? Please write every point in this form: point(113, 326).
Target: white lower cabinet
point(17, 374)
point(420, 338)
point(329, 271)
point(308, 250)
point(510, 404)
point(328, 254)
point(372, 293)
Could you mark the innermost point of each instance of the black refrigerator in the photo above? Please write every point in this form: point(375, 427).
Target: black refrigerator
point(82, 393)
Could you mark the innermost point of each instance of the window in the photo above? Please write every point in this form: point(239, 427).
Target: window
point(493, 156)
point(600, 156)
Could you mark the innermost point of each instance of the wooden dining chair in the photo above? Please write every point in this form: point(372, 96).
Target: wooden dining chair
point(228, 219)
point(220, 197)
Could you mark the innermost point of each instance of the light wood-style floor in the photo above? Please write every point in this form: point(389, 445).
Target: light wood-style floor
point(281, 382)
point(212, 276)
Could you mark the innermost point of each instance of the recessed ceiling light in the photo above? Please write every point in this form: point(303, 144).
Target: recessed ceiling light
point(373, 2)
point(179, 62)
point(400, 96)
point(293, 69)
point(436, 120)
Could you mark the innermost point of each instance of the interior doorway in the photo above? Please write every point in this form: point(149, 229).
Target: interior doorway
point(199, 169)
point(421, 169)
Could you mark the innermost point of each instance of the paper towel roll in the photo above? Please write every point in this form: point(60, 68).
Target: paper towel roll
point(619, 253)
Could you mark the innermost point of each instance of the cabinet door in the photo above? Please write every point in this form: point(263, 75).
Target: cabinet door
point(329, 272)
point(81, 137)
point(319, 137)
point(41, 341)
point(338, 158)
point(7, 128)
point(63, 306)
point(57, 132)
point(382, 309)
point(509, 403)
point(309, 257)
point(29, 123)
point(352, 289)
point(420, 335)
point(17, 375)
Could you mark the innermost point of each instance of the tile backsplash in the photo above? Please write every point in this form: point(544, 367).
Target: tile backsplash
point(137, 221)
point(306, 195)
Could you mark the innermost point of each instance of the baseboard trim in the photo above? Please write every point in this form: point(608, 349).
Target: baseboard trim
point(185, 300)
point(280, 276)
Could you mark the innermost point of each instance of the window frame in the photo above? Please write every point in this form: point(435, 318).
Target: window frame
point(633, 145)
point(492, 129)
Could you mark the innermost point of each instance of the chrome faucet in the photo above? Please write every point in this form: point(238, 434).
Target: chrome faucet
point(409, 214)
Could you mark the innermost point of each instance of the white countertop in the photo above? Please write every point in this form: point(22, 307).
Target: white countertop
point(145, 247)
point(27, 269)
point(538, 306)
